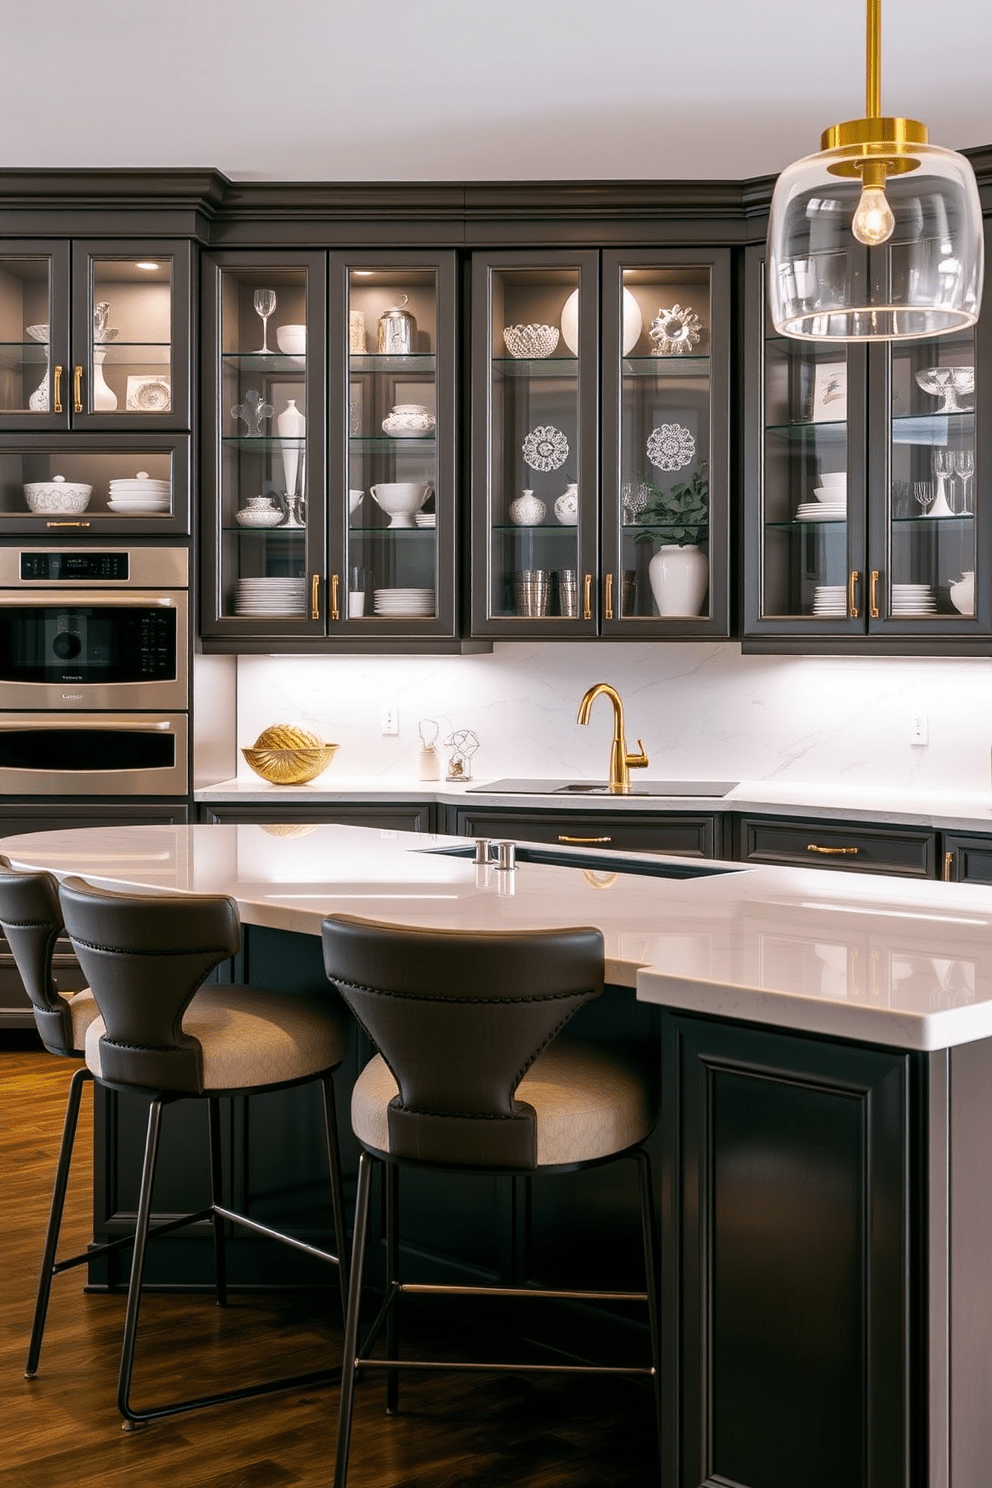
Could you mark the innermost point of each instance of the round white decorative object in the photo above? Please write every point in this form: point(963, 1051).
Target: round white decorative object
point(545, 448)
point(679, 579)
point(537, 341)
point(527, 510)
point(632, 322)
point(675, 331)
point(671, 447)
point(57, 495)
point(567, 505)
point(409, 421)
point(259, 516)
point(292, 339)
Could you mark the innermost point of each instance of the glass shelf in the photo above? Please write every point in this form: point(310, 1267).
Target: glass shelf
point(256, 361)
point(404, 365)
point(262, 442)
point(381, 443)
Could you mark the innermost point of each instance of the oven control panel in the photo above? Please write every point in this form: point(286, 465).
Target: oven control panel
point(91, 567)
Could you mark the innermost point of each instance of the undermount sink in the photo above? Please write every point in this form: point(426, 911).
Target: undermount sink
point(603, 862)
point(599, 788)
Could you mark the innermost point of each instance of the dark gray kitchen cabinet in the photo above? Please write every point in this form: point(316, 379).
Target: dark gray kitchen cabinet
point(966, 858)
point(688, 834)
point(854, 846)
point(388, 816)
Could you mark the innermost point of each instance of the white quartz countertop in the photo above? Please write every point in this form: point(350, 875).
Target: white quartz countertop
point(873, 959)
point(943, 810)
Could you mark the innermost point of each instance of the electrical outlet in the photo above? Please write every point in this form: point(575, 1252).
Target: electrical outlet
point(919, 729)
point(390, 718)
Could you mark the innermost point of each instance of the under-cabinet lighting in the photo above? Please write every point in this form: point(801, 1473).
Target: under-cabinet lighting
point(149, 266)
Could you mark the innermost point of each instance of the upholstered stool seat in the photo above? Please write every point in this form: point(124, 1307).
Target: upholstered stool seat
point(587, 1104)
point(472, 1075)
point(149, 1025)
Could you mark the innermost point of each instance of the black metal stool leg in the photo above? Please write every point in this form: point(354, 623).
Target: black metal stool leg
point(351, 1321)
point(79, 1079)
point(392, 1185)
point(138, 1264)
point(337, 1192)
point(648, 1231)
point(216, 1198)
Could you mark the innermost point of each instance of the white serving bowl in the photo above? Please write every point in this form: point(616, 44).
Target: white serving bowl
point(832, 494)
point(292, 339)
point(259, 517)
point(400, 499)
point(833, 478)
point(57, 495)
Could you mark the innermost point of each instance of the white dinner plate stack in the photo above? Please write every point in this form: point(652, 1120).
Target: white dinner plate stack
point(140, 496)
point(279, 596)
point(913, 599)
point(830, 599)
point(821, 511)
point(404, 602)
point(426, 519)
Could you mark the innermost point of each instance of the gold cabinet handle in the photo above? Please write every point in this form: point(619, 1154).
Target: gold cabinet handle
point(587, 597)
point(582, 841)
point(873, 595)
point(67, 524)
point(57, 389)
point(608, 601)
point(77, 389)
point(843, 852)
point(335, 611)
point(315, 597)
point(948, 867)
point(852, 600)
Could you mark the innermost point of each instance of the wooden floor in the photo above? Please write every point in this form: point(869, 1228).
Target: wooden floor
point(63, 1429)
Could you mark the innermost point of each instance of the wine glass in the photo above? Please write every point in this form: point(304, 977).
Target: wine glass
point(923, 491)
point(265, 303)
point(942, 464)
point(964, 465)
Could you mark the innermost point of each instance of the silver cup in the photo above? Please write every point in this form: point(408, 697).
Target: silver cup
point(568, 591)
point(533, 591)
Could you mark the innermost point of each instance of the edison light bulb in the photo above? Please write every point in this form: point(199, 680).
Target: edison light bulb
point(873, 221)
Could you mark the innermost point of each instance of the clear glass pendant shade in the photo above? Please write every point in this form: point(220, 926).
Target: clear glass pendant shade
point(924, 277)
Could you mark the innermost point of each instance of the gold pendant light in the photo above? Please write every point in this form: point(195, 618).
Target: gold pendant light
point(877, 184)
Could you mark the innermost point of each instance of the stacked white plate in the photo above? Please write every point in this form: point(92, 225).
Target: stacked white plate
point(404, 602)
point(830, 599)
point(821, 511)
point(140, 495)
point(913, 599)
point(280, 596)
point(426, 519)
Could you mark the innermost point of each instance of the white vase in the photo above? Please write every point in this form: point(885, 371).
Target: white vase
point(567, 505)
point(679, 579)
point(962, 593)
point(527, 510)
point(104, 397)
point(291, 425)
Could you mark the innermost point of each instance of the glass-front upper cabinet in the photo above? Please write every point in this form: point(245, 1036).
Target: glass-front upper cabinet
point(535, 444)
point(391, 499)
point(666, 387)
point(863, 508)
point(95, 335)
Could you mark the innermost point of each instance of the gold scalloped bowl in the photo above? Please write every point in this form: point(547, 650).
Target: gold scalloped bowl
point(285, 755)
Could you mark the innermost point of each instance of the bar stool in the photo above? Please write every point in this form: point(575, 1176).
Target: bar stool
point(163, 1033)
point(31, 920)
point(468, 1079)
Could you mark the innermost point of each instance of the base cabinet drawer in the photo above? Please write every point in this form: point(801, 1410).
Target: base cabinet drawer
point(686, 834)
point(852, 846)
point(402, 816)
point(966, 858)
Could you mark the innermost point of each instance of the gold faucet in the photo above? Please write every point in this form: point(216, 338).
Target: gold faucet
point(620, 761)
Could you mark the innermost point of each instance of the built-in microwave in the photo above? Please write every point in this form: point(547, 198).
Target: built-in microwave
point(93, 754)
point(94, 628)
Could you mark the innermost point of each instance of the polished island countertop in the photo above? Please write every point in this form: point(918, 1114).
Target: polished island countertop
point(875, 959)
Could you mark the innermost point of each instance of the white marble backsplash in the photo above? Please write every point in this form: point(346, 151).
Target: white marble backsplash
point(703, 711)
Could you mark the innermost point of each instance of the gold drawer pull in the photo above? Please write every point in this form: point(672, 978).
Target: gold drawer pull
point(57, 389)
point(948, 867)
point(587, 596)
point(77, 389)
point(873, 609)
point(315, 597)
point(67, 524)
point(608, 603)
point(843, 852)
point(852, 603)
point(581, 841)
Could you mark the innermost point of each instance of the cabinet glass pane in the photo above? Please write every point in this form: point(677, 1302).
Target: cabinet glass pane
point(932, 469)
point(263, 444)
point(86, 486)
point(390, 568)
point(25, 334)
point(536, 485)
point(805, 567)
point(130, 367)
point(663, 510)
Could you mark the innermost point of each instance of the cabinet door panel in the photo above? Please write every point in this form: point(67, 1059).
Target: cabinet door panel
point(847, 845)
point(400, 817)
point(684, 834)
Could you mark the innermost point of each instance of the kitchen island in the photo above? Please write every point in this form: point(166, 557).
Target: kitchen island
point(825, 1049)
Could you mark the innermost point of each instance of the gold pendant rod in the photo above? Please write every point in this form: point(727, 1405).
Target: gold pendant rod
point(873, 61)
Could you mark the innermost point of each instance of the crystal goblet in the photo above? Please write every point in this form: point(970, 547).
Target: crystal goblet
point(947, 383)
point(265, 303)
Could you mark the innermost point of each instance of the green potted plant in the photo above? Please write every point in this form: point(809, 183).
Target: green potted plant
point(678, 521)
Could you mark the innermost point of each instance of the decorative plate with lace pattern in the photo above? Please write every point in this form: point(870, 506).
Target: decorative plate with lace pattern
point(545, 448)
point(671, 447)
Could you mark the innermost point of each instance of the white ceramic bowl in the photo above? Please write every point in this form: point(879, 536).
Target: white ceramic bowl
point(832, 494)
point(292, 339)
point(400, 499)
point(531, 340)
point(57, 495)
point(833, 478)
point(258, 517)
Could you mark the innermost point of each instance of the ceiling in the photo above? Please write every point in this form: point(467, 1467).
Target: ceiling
point(471, 90)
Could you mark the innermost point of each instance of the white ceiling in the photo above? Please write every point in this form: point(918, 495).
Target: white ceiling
point(469, 90)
